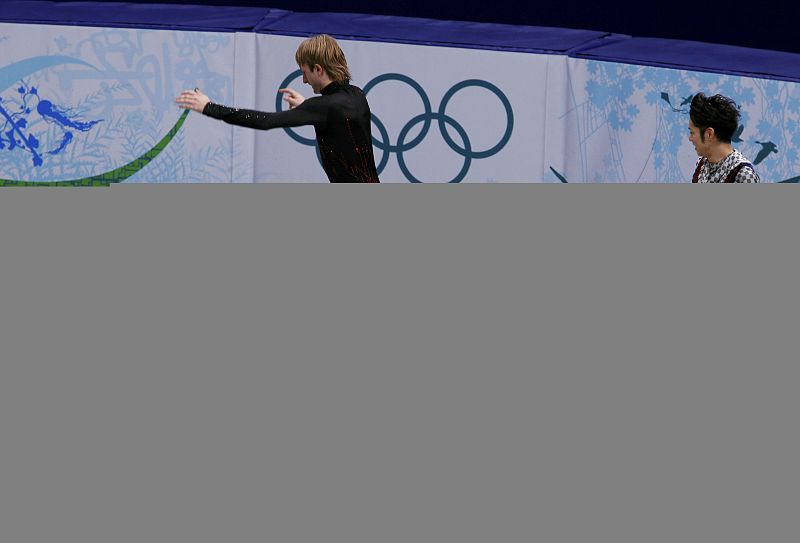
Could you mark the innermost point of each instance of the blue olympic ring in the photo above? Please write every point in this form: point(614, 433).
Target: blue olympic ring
point(509, 118)
point(442, 118)
point(279, 107)
point(426, 104)
point(313, 142)
point(426, 119)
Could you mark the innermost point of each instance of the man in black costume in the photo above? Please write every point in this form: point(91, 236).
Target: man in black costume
point(341, 115)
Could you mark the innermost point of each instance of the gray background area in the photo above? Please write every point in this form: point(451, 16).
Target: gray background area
point(314, 363)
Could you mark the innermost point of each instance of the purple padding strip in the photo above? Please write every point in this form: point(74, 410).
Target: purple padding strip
point(126, 14)
point(586, 44)
point(697, 56)
point(432, 32)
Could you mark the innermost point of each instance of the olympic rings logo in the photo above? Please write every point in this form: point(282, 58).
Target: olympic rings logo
point(426, 118)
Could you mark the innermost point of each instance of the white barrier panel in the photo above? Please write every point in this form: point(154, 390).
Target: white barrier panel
point(81, 104)
point(439, 114)
point(85, 102)
point(627, 123)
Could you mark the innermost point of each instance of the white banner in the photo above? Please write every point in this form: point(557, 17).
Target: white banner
point(626, 123)
point(96, 105)
point(439, 114)
point(79, 103)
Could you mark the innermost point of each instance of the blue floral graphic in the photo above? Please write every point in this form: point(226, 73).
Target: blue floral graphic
point(20, 116)
point(617, 95)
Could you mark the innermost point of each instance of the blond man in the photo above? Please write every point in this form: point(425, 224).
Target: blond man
point(340, 115)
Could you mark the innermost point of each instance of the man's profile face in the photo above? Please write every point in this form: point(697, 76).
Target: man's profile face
point(697, 139)
point(312, 76)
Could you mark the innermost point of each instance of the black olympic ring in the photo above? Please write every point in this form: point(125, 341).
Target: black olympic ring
point(426, 119)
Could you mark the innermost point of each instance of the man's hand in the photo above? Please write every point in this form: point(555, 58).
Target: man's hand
point(193, 99)
point(292, 97)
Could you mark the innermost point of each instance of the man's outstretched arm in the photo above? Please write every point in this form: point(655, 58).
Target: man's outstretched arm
point(303, 112)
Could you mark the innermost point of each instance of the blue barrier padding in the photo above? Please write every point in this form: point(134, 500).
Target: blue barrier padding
point(130, 15)
point(587, 44)
point(698, 57)
point(419, 31)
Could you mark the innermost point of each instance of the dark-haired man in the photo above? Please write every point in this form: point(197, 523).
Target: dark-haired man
point(712, 122)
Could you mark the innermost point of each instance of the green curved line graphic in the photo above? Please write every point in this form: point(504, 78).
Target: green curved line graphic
point(114, 176)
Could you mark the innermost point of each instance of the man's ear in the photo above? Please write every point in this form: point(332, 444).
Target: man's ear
point(318, 69)
point(710, 132)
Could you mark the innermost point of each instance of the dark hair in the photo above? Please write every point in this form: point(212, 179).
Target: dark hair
point(718, 112)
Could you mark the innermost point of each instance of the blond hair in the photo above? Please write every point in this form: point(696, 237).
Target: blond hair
point(325, 51)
